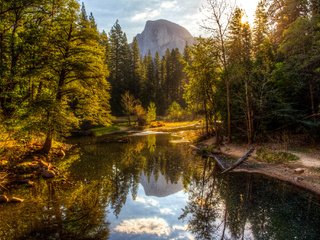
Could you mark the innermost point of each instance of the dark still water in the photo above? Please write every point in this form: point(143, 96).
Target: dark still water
point(154, 188)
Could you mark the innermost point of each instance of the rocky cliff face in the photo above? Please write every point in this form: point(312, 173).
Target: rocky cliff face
point(159, 35)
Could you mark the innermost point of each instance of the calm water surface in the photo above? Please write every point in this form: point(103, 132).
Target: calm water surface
point(154, 188)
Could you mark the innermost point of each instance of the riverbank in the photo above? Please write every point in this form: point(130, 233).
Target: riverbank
point(22, 165)
point(304, 173)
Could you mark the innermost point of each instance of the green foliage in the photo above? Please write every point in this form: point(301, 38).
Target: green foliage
point(104, 130)
point(271, 156)
point(175, 112)
point(148, 78)
point(141, 115)
point(271, 75)
point(119, 62)
point(54, 76)
point(203, 71)
point(128, 103)
point(151, 113)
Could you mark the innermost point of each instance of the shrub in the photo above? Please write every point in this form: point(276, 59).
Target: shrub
point(141, 115)
point(175, 111)
point(151, 114)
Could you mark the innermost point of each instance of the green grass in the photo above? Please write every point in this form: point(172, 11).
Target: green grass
point(271, 156)
point(104, 130)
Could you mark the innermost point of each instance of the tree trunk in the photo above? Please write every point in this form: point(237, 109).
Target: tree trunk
point(48, 142)
point(228, 111)
point(217, 130)
point(312, 100)
point(249, 115)
point(129, 119)
point(206, 114)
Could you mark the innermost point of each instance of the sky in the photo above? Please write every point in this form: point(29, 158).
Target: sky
point(133, 14)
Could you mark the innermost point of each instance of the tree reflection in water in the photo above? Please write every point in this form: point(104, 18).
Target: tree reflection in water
point(244, 206)
point(104, 176)
point(52, 213)
point(233, 206)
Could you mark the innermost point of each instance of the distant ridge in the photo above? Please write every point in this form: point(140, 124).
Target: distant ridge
point(161, 34)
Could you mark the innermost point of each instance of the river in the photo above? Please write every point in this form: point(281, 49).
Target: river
point(153, 187)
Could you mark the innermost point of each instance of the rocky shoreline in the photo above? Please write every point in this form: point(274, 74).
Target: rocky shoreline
point(26, 169)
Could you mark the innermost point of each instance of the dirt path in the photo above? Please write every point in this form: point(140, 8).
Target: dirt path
point(308, 159)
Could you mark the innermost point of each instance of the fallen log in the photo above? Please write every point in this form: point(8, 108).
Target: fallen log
point(203, 151)
point(219, 161)
point(240, 161)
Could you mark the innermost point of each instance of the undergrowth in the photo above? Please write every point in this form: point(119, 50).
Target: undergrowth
point(272, 156)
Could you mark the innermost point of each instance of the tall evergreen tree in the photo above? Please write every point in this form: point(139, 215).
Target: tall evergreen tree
point(283, 13)
point(240, 66)
point(137, 69)
point(119, 55)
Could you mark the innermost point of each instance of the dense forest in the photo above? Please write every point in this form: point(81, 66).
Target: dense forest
point(59, 73)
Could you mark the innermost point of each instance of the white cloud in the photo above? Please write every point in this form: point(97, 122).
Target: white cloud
point(181, 228)
point(132, 15)
point(168, 4)
point(147, 14)
point(147, 201)
point(154, 226)
point(166, 211)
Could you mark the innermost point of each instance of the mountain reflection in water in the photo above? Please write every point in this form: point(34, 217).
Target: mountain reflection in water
point(158, 186)
point(152, 188)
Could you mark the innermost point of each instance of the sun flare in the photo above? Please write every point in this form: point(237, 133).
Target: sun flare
point(244, 19)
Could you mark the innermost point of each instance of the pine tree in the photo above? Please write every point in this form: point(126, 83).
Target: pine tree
point(157, 79)
point(283, 13)
point(137, 69)
point(263, 65)
point(119, 65)
point(149, 85)
point(240, 66)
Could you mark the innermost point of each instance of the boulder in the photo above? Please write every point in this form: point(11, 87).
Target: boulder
point(298, 179)
point(299, 170)
point(48, 174)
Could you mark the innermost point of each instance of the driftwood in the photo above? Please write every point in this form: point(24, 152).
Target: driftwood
point(240, 161)
point(219, 161)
